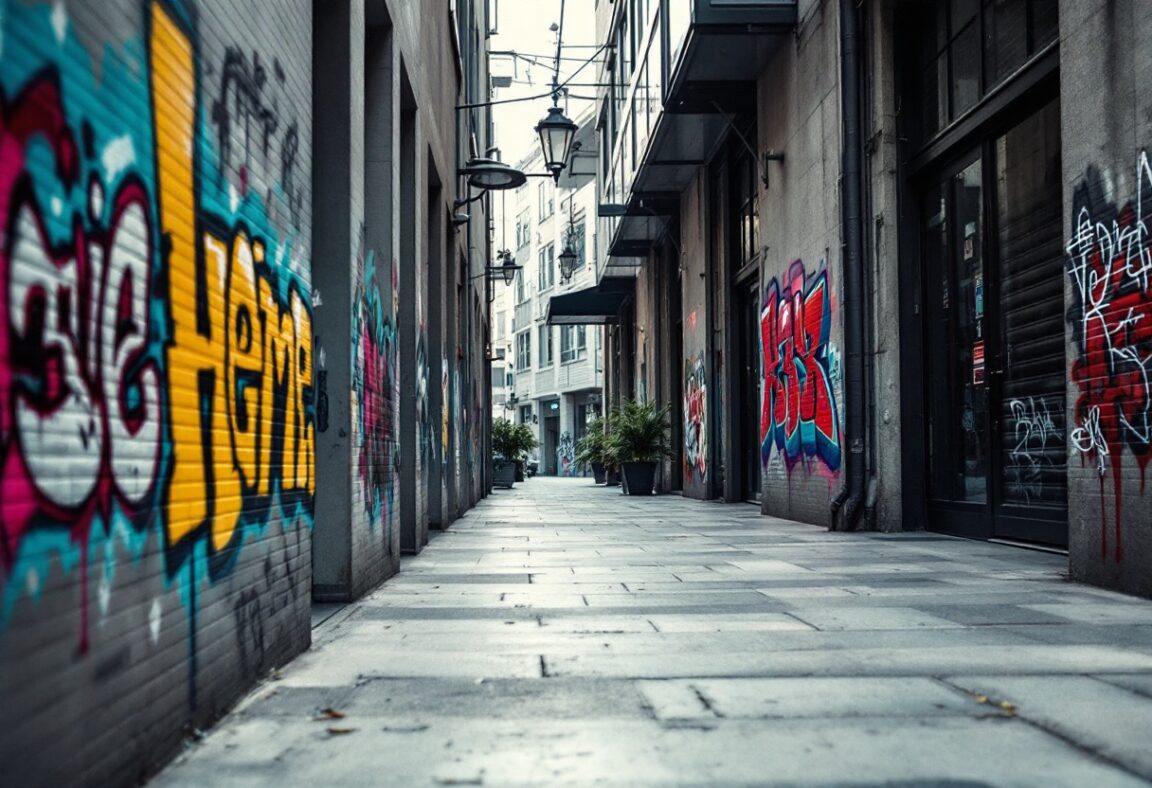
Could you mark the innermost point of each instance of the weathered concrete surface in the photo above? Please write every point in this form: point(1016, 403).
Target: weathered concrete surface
point(562, 633)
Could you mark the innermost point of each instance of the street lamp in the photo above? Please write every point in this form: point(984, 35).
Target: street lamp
point(491, 175)
point(568, 262)
point(508, 268)
point(556, 132)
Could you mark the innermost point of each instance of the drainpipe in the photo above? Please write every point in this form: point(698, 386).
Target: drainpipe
point(846, 508)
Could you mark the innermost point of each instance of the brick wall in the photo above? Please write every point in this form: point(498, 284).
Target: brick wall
point(156, 401)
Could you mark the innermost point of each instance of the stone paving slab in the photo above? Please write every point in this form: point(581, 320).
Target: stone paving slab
point(564, 634)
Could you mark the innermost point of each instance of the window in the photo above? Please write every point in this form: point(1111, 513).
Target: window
point(546, 273)
point(573, 343)
point(509, 380)
point(524, 350)
point(524, 228)
point(525, 414)
point(545, 346)
point(965, 48)
point(576, 237)
point(744, 200)
point(547, 188)
point(521, 286)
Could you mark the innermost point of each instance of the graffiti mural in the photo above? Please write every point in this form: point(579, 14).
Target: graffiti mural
point(374, 391)
point(799, 417)
point(423, 403)
point(566, 455)
point(695, 419)
point(1109, 262)
point(156, 357)
point(445, 410)
point(1035, 437)
point(459, 424)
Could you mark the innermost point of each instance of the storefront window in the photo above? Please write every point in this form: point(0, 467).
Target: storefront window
point(969, 47)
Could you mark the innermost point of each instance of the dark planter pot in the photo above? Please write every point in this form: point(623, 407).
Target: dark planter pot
point(598, 473)
point(639, 478)
point(503, 474)
point(519, 470)
point(612, 478)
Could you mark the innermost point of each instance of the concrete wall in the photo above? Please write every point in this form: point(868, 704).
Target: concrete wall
point(885, 290)
point(1106, 135)
point(357, 539)
point(156, 393)
point(696, 371)
point(801, 323)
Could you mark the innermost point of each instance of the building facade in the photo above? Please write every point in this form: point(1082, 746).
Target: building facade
point(555, 371)
point(888, 266)
point(242, 364)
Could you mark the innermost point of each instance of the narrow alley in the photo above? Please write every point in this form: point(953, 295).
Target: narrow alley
point(560, 632)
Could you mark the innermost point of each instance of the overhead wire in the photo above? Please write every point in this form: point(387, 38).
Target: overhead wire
point(570, 78)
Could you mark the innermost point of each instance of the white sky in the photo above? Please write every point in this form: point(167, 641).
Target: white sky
point(523, 27)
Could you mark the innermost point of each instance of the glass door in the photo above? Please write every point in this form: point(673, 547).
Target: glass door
point(994, 339)
point(956, 363)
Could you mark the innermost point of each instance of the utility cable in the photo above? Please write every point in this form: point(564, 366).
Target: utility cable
point(573, 76)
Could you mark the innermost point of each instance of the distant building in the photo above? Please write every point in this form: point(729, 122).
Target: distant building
point(552, 375)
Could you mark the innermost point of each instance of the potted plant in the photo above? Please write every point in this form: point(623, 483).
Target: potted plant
point(590, 450)
point(503, 465)
point(640, 439)
point(510, 445)
point(525, 442)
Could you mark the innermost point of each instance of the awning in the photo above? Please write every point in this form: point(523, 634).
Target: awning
point(592, 305)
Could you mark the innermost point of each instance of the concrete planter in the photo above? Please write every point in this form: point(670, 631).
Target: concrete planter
point(598, 473)
point(503, 474)
point(639, 478)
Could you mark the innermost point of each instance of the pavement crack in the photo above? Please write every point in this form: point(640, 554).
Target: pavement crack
point(585, 600)
point(706, 702)
point(652, 625)
point(790, 614)
point(544, 674)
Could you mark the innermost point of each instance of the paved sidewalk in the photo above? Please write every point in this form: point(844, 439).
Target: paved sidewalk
point(563, 633)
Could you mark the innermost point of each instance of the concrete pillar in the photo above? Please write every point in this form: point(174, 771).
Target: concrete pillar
point(416, 382)
point(381, 236)
point(339, 43)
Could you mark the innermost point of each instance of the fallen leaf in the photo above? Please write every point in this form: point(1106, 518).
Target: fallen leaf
point(330, 714)
point(981, 698)
point(341, 731)
point(1008, 707)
